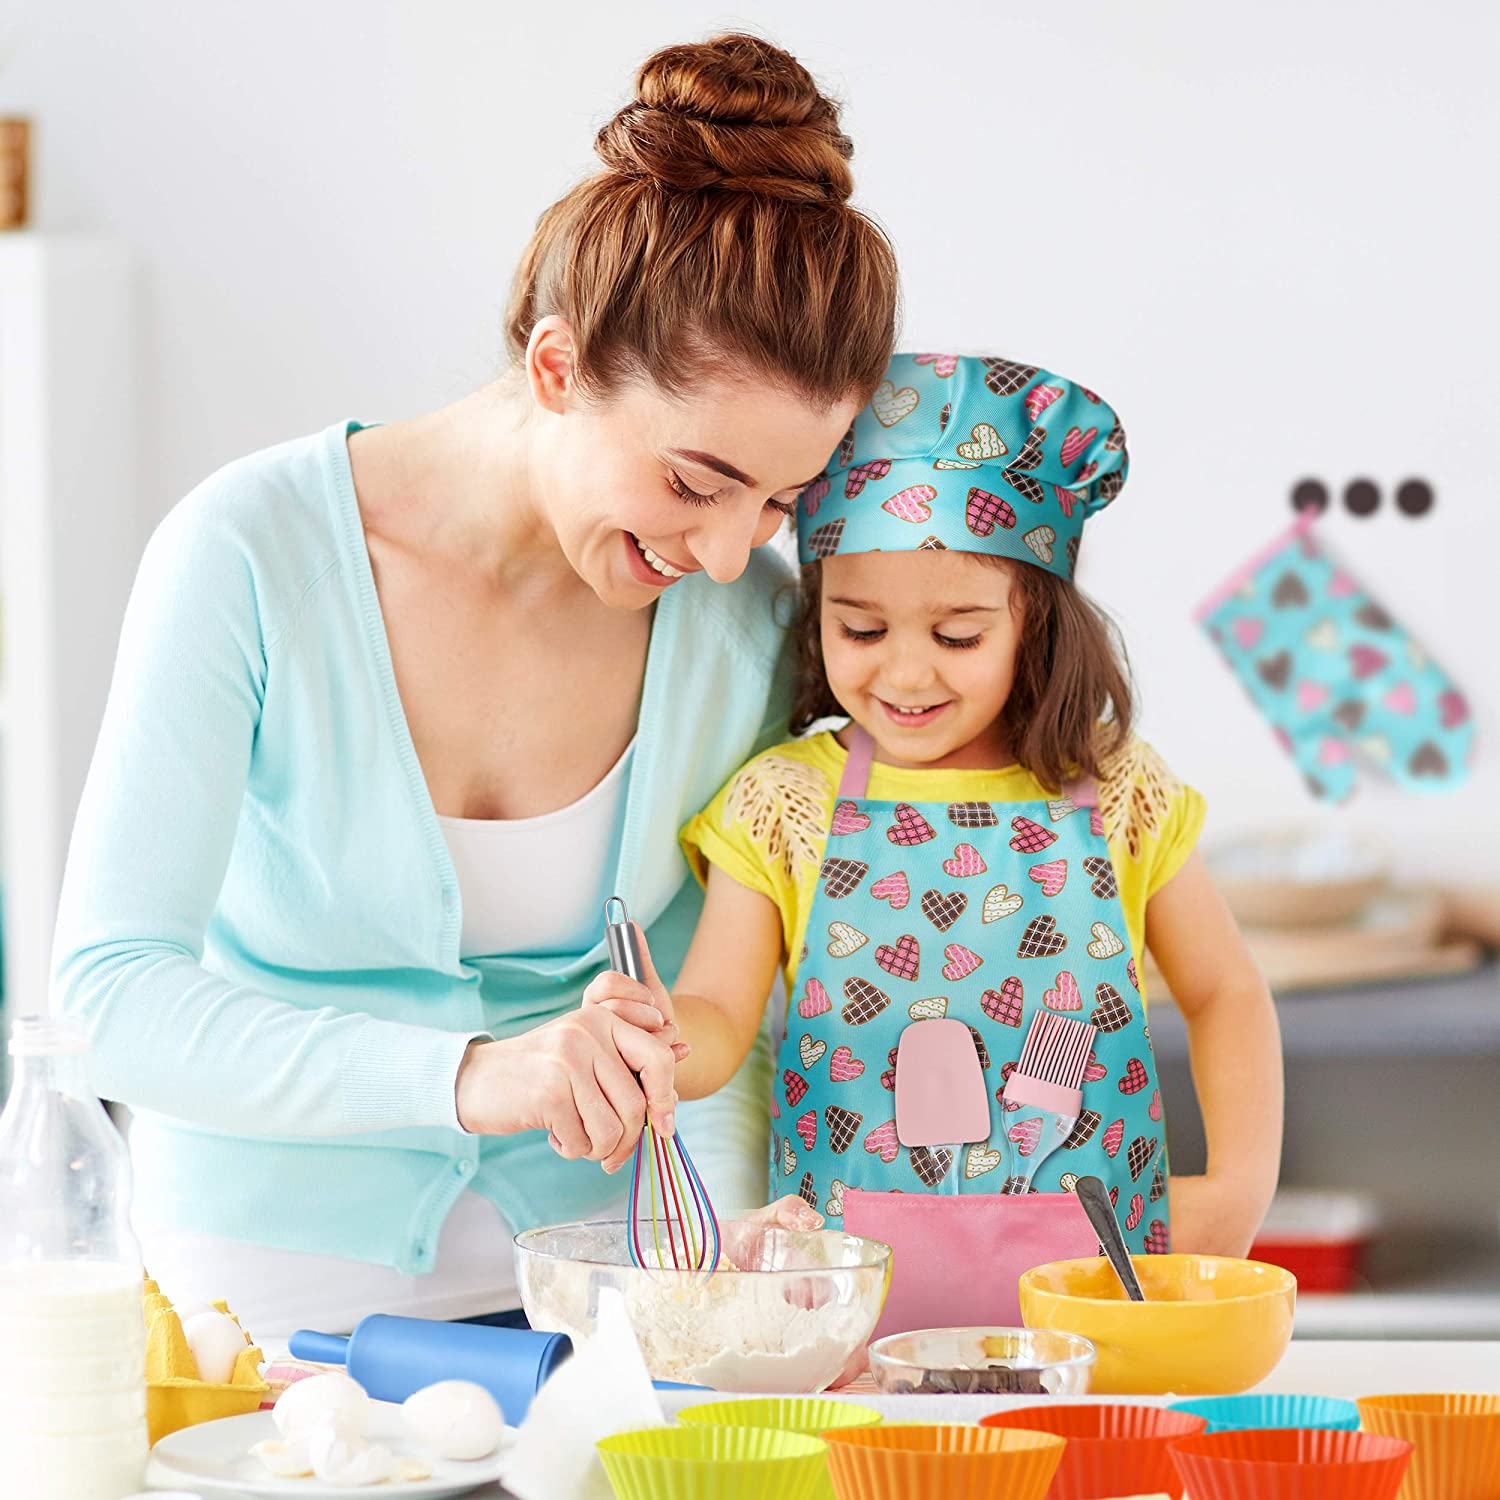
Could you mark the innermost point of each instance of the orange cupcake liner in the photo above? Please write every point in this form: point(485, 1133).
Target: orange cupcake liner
point(1455, 1438)
point(941, 1462)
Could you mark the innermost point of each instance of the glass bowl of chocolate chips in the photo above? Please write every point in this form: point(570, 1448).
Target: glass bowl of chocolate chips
point(983, 1362)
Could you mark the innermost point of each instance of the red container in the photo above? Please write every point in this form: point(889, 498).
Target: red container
point(1112, 1449)
point(1332, 1266)
point(1321, 1238)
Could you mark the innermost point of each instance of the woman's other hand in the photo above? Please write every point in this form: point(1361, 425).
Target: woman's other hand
point(586, 1078)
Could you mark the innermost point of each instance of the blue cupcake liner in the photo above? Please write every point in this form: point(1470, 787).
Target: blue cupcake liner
point(1246, 1413)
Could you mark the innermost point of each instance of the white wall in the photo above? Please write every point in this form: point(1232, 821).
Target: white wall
point(1261, 230)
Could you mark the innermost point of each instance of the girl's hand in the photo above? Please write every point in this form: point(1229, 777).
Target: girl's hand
point(647, 1004)
point(1213, 1215)
point(586, 1078)
point(790, 1212)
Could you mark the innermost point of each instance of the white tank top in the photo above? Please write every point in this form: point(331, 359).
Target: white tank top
point(528, 885)
point(538, 885)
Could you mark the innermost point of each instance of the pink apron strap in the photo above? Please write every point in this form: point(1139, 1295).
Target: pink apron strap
point(856, 777)
point(1082, 793)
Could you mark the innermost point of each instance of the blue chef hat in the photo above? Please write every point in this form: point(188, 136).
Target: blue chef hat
point(969, 453)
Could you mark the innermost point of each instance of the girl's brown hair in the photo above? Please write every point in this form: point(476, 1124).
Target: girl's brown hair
point(1071, 705)
point(718, 233)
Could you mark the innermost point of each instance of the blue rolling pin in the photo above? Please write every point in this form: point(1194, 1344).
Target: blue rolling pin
point(393, 1357)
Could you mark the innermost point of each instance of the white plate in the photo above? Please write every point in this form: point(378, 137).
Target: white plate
point(214, 1458)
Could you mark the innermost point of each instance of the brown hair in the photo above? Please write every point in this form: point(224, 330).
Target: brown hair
point(719, 231)
point(1071, 705)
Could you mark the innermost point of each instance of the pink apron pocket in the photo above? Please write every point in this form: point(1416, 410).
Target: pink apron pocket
point(958, 1259)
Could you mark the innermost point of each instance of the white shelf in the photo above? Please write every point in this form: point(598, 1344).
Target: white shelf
point(1437, 1310)
point(1455, 1015)
point(1419, 1287)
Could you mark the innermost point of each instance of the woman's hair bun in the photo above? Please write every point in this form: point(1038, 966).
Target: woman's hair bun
point(733, 114)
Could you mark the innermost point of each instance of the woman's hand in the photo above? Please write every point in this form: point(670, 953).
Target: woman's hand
point(575, 1078)
point(646, 1003)
point(1214, 1215)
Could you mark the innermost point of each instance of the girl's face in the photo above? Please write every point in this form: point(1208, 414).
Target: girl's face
point(920, 649)
point(644, 488)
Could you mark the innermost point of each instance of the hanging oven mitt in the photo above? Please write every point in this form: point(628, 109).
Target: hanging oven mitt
point(1343, 685)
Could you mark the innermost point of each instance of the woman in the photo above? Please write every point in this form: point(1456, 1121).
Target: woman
point(396, 708)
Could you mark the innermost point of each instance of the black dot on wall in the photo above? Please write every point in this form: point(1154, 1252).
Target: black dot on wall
point(1361, 497)
point(1414, 497)
point(1310, 494)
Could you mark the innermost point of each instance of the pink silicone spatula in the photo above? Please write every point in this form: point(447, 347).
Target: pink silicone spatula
point(941, 1098)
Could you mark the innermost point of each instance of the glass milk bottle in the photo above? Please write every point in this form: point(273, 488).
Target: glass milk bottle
point(72, 1326)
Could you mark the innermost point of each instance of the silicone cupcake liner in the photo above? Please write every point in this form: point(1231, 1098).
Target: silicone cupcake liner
point(910, 1462)
point(1112, 1449)
point(813, 1415)
point(713, 1463)
point(1455, 1437)
point(1291, 1464)
point(1239, 1413)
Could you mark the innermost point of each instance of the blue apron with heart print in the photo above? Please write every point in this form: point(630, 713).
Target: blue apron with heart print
point(985, 913)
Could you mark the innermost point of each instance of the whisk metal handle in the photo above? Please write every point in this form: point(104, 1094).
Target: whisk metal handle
point(620, 940)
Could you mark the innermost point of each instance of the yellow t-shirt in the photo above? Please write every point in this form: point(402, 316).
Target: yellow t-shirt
point(768, 825)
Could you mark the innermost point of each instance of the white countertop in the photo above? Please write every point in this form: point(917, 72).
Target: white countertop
point(1346, 1368)
point(1335, 1367)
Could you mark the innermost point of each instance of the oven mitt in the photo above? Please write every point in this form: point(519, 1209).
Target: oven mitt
point(1344, 686)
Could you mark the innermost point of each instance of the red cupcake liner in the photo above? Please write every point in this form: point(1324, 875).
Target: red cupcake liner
point(1292, 1463)
point(1114, 1449)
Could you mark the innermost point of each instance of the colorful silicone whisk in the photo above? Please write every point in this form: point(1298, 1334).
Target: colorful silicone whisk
point(679, 1211)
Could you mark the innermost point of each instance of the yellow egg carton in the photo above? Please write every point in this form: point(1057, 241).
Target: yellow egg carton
point(175, 1396)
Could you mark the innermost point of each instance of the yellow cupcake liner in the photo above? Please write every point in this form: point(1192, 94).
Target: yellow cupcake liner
point(812, 1415)
point(175, 1396)
point(1455, 1438)
point(713, 1463)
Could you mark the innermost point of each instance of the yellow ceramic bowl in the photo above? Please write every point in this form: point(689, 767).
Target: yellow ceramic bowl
point(1210, 1325)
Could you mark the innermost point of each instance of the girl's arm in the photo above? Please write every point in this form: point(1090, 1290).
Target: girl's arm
point(720, 995)
point(1234, 1044)
point(718, 1002)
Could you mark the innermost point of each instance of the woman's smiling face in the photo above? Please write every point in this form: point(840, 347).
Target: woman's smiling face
point(920, 650)
point(643, 487)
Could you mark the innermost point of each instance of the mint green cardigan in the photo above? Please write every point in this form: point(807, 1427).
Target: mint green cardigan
point(260, 922)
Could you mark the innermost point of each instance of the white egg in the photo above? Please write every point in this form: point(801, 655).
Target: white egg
point(335, 1395)
point(454, 1419)
point(216, 1341)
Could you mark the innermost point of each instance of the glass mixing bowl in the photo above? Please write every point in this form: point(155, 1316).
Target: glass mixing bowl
point(784, 1320)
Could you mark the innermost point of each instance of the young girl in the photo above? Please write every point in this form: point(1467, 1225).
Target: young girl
point(985, 840)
